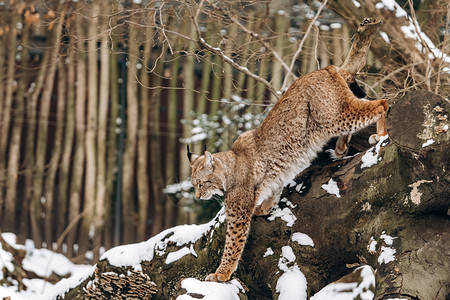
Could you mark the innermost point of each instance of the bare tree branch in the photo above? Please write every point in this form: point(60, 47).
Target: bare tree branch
point(227, 59)
point(300, 45)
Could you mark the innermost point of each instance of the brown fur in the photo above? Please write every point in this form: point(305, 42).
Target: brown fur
point(252, 174)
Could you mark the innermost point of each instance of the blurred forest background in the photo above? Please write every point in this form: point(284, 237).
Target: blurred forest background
point(98, 99)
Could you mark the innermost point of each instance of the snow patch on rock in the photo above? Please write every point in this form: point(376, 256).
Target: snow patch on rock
point(331, 187)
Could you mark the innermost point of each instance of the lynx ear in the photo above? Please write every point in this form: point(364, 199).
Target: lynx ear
point(191, 156)
point(208, 159)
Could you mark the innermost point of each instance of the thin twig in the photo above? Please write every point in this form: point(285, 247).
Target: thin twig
point(163, 28)
point(399, 70)
point(316, 41)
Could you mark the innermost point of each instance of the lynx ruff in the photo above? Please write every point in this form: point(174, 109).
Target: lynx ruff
point(252, 174)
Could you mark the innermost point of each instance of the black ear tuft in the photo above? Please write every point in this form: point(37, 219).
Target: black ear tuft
point(189, 153)
point(357, 90)
point(204, 150)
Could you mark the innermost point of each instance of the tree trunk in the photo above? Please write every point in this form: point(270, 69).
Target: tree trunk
point(50, 182)
point(170, 165)
point(5, 118)
point(80, 128)
point(87, 229)
point(188, 97)
point(30, 141)
point(10, 217)
point(112, 134)
point(38, 199)
point(143, 182)
point(66, 156)
point(398, 206)
point(102, 133)
point(129, 158)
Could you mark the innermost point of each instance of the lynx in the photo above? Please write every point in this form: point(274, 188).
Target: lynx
point(252, 174)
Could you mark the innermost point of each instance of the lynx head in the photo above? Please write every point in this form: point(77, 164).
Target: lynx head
point(208, 176)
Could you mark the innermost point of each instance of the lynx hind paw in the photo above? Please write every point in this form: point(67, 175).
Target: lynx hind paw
point(216, 277)
point(375, 138)
point(338, 154)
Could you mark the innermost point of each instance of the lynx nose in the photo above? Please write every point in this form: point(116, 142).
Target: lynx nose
point(198, 194)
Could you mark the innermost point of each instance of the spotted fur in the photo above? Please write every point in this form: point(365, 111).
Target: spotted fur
point(252, 174)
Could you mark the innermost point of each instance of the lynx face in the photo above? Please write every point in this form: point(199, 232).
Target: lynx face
point(207, 176)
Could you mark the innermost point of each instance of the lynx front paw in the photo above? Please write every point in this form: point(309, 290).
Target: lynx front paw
point(217, 277)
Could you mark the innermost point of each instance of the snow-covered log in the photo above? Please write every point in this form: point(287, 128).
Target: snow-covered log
point(385, 207)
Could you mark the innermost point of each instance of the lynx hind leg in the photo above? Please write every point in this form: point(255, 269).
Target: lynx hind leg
point(342, 145)
point(238, 225)
point(381, 125)
point(362, 113)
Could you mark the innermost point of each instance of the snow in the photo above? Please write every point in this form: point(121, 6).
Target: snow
point(332, 188)
point(371, 158)
point(356, 3)
point(43, 262)
point(387, 238)
point(292, 283)
point(174, 256)
point(335, 25)
point(287, 255)
point(285, 214)
point(349, 291)
point(299, 187)
point(133, 254)
point(391, 5)
point(288, 203)
point(413, 31)
point(428, 143)
point(302, 239)
point(385, 37)
point(185, 185)
point(210, 290)
point(372, 245)
point(336, 291)
point(269, 252)
point(387, 253)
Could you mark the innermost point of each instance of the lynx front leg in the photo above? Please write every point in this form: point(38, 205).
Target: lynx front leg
point(238, 225)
